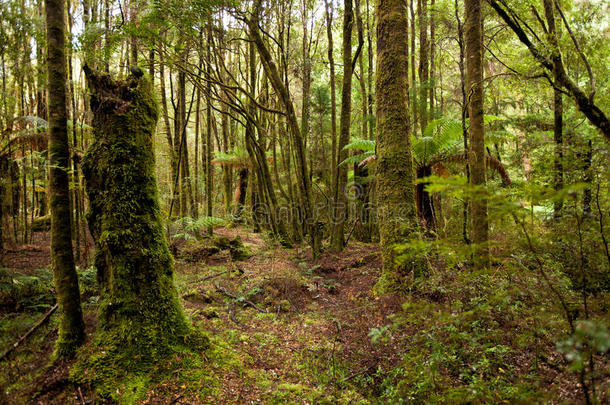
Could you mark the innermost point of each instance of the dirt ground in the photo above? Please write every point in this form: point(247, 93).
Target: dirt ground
point(300, 316)
point(283, 329)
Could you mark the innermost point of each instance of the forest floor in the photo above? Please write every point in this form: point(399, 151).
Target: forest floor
point(284, 329)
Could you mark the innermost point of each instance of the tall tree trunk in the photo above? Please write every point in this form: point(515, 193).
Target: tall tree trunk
point(369, 79)
point(133, 39)
point(209, 180)
point(71, 327)
point(140, 316)
point(362, 187)
point(305, 106)
point(557, 115)
point(333, 100)
point(587, 178)
point(397, 214)
point(339, 216)
point(464, 113)
point(431, 85)
point(422, 11)
point(413, 90)
point(476, 154)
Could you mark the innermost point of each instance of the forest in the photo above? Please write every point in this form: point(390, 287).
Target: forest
point(304, 201)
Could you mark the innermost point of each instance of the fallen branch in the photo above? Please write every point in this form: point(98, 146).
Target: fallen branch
point(250, 303)
point(357, 374)
point(28, 333)
point(214, 275)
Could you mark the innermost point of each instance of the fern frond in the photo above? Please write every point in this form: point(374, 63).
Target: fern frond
point(361, 144)
point(357, 158)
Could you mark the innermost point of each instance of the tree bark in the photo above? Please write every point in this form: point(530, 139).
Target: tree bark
point(71, 327)
point(140, 315)
point(476, 154)
point(557, 113)
point(422, 11)
point(339, 216)
point(397, 214)
point(333, 100)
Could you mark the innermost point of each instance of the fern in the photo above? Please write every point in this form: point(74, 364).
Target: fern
point(189, 227)
point(357, 158)
point(235, 158)
point(361, 144)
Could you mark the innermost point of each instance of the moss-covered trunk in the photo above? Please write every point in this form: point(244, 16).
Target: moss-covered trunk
point(139, 311)
point(476, 154)
point(396, 212)
point(71, 327)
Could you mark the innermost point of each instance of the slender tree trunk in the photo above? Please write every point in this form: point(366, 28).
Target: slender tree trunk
point(304, 183)
point(476, 154)
point(397, 214)
point(133, 39)
point(587, 178)
point(464, 113)
point(196, 158)
point(71, 327)
point(413, 90)
point(432, 83)
point(362, 187)
point(333, 100)
point(209, 180)
point(422, 11)
point(339, 217)
point(557, 116)
point(305, 106)
point(371, 117)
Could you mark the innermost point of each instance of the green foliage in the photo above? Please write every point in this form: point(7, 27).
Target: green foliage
point(189, 228)
point(237, 158)
point(589, 338)
point(26, 291)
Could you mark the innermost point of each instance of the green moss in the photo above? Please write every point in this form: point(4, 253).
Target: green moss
point(397, 215)
point(140, 318)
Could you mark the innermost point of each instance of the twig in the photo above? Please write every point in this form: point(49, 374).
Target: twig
point(214, 275)
point(231, 312)
point(357, 373)
point(236, 298)
point(80, 396)
point(178, 398)
point(351, 231)
point(28, 333)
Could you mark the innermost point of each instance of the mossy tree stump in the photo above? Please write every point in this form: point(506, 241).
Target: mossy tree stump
point(140, 317)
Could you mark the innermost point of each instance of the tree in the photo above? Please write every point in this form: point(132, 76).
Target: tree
point(71, 327)
point(476, 154)
point(139, 310)
point(554, 65)
point(397, 215)
point(304, 183)
point(339, 201)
